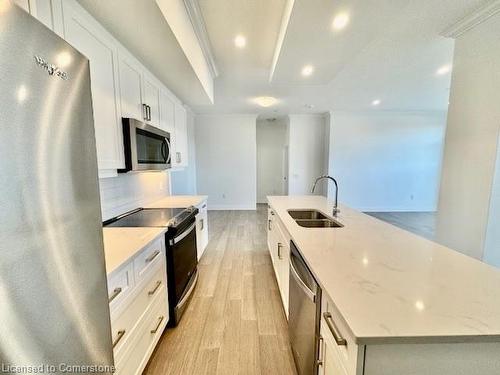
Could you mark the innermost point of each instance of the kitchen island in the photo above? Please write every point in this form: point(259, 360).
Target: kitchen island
point(403, 304)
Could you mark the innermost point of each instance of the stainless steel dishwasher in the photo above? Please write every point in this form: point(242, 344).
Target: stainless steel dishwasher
point(304, 314)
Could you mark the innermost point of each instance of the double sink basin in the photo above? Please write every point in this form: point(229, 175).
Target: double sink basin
point(313, 219)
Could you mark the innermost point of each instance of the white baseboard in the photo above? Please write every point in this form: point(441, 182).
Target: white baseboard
point(222, 207)
point(396, 209)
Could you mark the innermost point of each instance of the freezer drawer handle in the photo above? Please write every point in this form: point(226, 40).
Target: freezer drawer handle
point(119, 337)
point(335, 332)
point(153, 291)
point(152, 256)
point(115, 294)
point(160, 319)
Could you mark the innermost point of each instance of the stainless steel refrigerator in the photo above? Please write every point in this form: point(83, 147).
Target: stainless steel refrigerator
point(53, 296)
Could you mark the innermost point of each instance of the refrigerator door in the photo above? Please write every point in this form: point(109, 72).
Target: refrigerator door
point(53, 294)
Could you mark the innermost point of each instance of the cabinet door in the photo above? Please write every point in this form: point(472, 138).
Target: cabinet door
point(152, 99)
point(331, 363)
point(167, 113)
point(180, 158)
point(284, 273)
point(84, 34)
point(130, 89)
point(202, 230)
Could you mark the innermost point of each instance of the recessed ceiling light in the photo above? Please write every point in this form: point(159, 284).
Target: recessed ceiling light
point(340, 21)
point(445, 69)
point(420, 306)
point(307, 70)
point(376, 102)
point(265, 101)
point(240, 41)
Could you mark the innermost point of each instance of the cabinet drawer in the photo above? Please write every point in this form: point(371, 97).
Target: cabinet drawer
point(148, 258)
point(123, 325)
point(334, 329)
point(144, 339)
point(120, 285)
point(202, 207)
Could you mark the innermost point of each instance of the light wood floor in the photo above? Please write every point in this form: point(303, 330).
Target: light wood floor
point(235, 323)
point(420, 223)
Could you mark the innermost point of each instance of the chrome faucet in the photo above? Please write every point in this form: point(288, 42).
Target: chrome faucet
point(335, 203)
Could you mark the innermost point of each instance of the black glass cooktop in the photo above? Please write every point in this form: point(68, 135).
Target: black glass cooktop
point(151, 217)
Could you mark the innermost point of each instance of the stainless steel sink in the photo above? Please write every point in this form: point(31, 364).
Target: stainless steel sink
point(307, 214)
point(313, 219)
point(318, 223)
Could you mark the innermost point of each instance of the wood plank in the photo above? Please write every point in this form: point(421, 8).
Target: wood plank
point(234, 323)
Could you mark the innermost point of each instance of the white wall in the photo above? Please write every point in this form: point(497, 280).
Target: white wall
point(130, 191)
point(492, 245)
point(471, 140)
point(226, 160)
point(387, 161)
point(183, 182)
point(271, 141)
point(306, 153)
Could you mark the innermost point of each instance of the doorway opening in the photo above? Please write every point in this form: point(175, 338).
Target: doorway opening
point(272, 157)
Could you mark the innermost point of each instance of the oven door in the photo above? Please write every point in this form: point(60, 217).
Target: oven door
point(146, 147)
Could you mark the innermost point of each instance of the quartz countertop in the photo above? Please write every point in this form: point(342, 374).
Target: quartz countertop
point(121, 244)
point(178, 201)
point(392, 286)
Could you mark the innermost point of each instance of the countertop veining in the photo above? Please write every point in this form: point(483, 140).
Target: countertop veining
point(390, 285)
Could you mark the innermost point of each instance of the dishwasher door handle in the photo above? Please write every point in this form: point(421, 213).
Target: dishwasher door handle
point(309, 293)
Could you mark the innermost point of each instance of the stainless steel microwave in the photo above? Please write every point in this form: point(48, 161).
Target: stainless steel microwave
point(146, 148)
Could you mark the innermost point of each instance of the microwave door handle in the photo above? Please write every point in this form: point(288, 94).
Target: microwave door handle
point(164, 150)
point(169, 151)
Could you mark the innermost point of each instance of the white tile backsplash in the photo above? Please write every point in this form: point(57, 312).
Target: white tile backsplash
point(129, 191)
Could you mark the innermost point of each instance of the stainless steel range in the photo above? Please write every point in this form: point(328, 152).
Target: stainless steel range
point(180, 241)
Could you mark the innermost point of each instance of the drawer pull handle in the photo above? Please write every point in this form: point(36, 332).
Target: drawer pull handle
point(151, 292)
point(115, 294)
point(202, 224)
point(319, 361)
point(152, 256)
point(204, 206)
point(119, 337)
point(280, 245)
point(269, 225)
point(160, 319)
point(331, 325)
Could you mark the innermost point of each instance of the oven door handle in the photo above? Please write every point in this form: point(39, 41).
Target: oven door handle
point(180, 237)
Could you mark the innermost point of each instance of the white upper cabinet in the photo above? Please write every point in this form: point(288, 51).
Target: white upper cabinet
point(130, 89)
point(180, 155)
point(167, 112)
point(121, 85)
point(151, 99)
point(85, 34)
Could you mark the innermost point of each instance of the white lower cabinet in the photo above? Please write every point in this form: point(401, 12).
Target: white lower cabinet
point(278, 241)
point(138, 307)
point(202, 229)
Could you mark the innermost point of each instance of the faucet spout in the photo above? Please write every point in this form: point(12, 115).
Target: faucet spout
point(335, 203)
